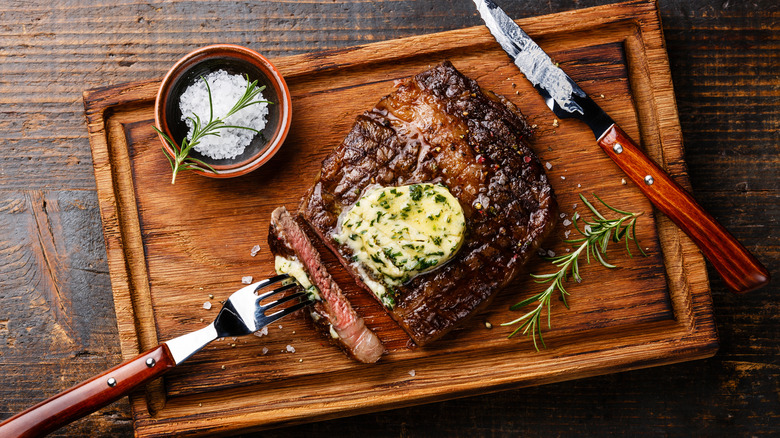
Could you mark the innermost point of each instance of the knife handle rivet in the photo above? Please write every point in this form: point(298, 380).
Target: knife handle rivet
point(150, 362)
point(618, 148)
point(111, 382)
point(649, 180)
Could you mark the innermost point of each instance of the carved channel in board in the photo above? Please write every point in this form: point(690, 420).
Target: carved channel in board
point(132, 245)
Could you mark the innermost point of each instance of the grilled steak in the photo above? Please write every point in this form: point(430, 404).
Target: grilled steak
point(440, 127)
point(332, 312)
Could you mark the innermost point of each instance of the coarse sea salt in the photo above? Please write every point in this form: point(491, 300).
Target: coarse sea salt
point(226, 90)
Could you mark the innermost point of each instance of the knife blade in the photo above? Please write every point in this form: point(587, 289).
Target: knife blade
point(740, 270)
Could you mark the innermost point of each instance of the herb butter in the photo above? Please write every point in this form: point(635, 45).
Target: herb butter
point(397, 233)
point(295, 268)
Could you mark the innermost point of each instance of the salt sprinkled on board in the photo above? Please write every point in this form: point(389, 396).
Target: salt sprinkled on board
point(290, 349)
point(207, 305)
point(566, 223)
point(548, 165)
point(265, 350)
point(255, 250)
point(412, 373)
point(226, 90)
point(247, 279)
point(261, 333)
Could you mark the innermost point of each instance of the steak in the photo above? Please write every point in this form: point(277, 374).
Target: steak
point(441, 127)
point(333, 313)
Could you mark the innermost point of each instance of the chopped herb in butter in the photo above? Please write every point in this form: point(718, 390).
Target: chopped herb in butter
point(295, 268)
point(397, 233)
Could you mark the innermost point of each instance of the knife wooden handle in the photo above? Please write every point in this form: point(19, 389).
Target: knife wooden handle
point(88, 396)
point(736, 265)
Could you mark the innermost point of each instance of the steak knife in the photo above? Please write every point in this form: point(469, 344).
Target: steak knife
point(740, 270)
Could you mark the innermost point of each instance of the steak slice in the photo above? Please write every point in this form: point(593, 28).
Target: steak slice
point(333, 313)
point(441, 127)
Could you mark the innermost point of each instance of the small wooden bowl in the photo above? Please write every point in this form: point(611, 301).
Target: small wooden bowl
point(234, 60)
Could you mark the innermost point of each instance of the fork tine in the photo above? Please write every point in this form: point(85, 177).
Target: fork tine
point(269, 281)
point(277, 291)
point(284, 312)
point(281, 301)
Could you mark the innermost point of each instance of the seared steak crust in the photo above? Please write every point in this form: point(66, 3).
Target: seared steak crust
point(439, 126)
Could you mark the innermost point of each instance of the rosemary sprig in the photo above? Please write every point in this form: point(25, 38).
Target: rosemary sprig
point(596, 237)
point(181, 158)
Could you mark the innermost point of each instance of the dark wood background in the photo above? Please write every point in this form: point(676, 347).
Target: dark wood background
point(57, 322)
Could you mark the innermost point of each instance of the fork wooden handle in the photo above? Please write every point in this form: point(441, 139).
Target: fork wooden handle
point(736, 265)
point(89, 396)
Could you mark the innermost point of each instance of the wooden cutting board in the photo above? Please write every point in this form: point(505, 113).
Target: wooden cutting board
point(171, 246)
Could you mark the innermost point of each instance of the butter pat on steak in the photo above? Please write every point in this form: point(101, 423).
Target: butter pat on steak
point(440, 127)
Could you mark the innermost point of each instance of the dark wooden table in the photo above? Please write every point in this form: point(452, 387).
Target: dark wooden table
point(57, 321)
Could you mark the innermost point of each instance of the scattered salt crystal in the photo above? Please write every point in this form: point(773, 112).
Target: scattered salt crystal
point(247, 279)
point(226, 90)
point(262, 332)
point(223, 367)
point(551, 253)
point(587, 229)
point(563, 215)
point(280, 326)
point(290, 348)
point(548, 165)
point(255, 250)
point(568, 249)
point(555, 123)
point(566, 223)
point(563, 177)
point(207, 305)
point(488, 325)
point(623, 181)
point(265, 350)
point(233, 339)
point(412, 373)
point(566, 234)
point(574, 207)
point(579, 185)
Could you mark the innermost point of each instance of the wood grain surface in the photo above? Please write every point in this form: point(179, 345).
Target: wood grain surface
point(57, 323)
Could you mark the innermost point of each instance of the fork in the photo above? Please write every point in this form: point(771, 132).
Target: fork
point(243, 313)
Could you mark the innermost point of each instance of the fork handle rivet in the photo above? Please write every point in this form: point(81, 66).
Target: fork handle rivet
point(150, 362)
point(649, 180)
point(111, 382)
point(618, 148)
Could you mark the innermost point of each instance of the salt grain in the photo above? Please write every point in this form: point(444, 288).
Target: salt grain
point(290, 349)
point(563, 177)
point(255, 250)
point(207, 305)
point(562, 215)
point(551, 253)
point(247, 279)
point(261, 333)
point(623, 181)
point(226, 90)
point(265, 350)
point(566, 223)
point(548, 165)
point(412, 373)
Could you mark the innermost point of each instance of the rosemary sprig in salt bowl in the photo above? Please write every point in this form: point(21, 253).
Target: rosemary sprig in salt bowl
point(597, 234)
point(181, 158)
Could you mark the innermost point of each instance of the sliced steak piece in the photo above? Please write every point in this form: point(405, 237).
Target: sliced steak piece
point(440, 127)
point(333, 314)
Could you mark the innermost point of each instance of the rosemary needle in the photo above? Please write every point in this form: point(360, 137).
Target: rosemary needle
point(181, 158)
point(597, 234)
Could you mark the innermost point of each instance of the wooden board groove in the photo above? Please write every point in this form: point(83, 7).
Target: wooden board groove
point(170, 246)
